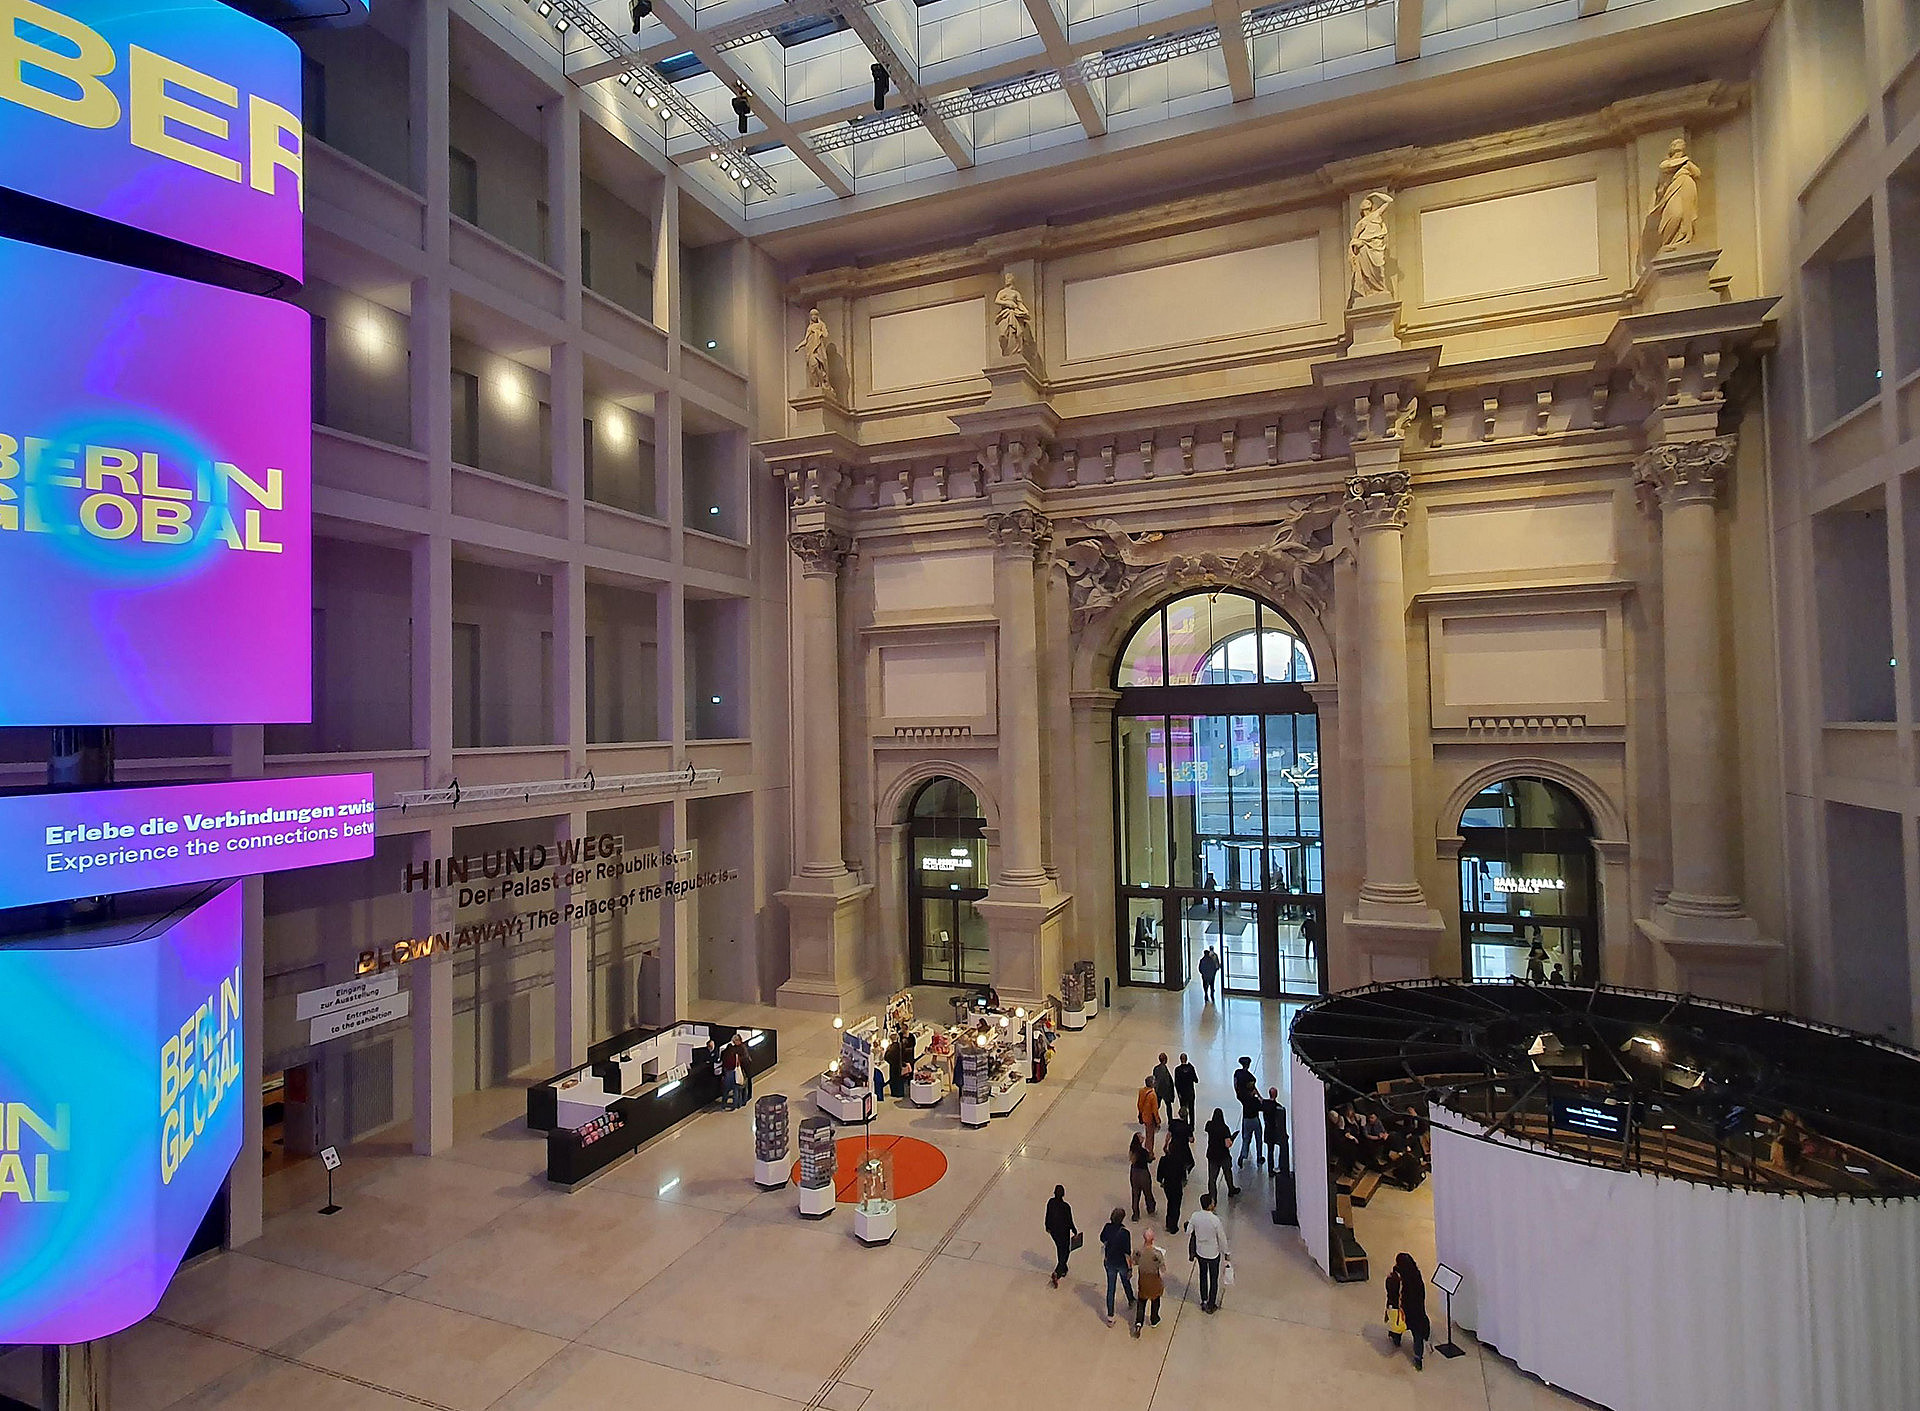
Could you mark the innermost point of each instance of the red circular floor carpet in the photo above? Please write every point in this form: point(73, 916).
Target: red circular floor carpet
point(916, 1166)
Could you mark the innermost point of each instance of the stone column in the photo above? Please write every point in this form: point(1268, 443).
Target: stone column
point(824, 900)
point(1018, 535)
point(817, 606)
point(1704, 939)
point(1391, 925)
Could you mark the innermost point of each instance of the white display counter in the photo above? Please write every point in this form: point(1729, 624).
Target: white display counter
point(857, 1108)
point(928, 1094)
point(580, 1104)
point(817, 1202)
point(1007, 1095)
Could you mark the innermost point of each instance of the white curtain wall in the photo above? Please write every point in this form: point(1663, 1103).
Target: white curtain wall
point(1648, 1294)
point(1309, 1120)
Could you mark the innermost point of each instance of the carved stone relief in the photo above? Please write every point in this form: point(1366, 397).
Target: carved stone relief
point(1293, 563)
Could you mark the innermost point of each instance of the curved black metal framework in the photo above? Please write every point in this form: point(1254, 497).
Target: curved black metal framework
point(1697, 1088)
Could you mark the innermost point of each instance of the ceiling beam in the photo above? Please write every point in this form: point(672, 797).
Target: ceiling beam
point(1051, 25)
point(1233, 44)
point(770, 108)
point(1409, 21)
point(906, 79)
point(1592, 7)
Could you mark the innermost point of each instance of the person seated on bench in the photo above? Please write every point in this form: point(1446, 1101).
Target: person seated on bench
point(1372, 1133)
point(1343, 1146)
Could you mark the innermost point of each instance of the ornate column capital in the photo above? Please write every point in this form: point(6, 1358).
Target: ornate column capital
point(1684, 472)
point(1021, 531)
point(820, 551)
point(1380, 501)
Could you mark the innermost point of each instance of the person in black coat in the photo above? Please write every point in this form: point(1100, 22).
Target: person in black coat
point(1163, 1085)
point(1219, 1154)
point(1273, 1127)
point(1060, 1225)
point(1186, 1085)
point(1175, 1162)
point(1407, 1291)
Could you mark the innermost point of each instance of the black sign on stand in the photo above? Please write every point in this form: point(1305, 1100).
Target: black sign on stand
point(1447, 1281)
point(330, 1158)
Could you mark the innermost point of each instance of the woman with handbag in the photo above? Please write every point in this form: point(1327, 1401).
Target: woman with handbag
point(1151, 1264)
point(1066, 1235)
point(1407, 1307)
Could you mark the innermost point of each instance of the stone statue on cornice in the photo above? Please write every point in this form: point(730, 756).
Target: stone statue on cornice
point(1676, 201)
point(817, 344)
point(1367, 250)
point(1012, 320)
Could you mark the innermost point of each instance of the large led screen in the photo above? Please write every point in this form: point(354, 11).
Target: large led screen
point(93, 843)
point(121, 1112)
point(155, 498)
point(179, 117)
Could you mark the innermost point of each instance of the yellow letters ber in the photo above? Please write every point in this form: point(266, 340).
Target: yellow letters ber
point(172, 110)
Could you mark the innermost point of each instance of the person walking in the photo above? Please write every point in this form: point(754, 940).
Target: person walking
point(730, 1075)
point(1407, 1298)
point(1246, 1088)
point(1061, 1227)
point(1175, 1163)
point(1117, 1245)
point(1207, 1243)
point(1163, 1086)
point(1186, 1086)
point(1209, 972)
point(1147, 1103)
point(1140, 1174)
point(1152, 1264)
point(1273, 1127)
point(1219, 1154)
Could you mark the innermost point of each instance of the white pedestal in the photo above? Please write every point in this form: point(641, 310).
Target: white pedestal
point(1006, 1099)
point(817, 1204)
point(1074, 1019)
point(927, 1094)
point(877, 1226)
point(858, 1108)
point(771, 1175)
point(975, 1114)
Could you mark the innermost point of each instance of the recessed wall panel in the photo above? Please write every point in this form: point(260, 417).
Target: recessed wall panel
point(908, 586)
point(1523, 660)
point(1532, 240)
point(926, 347)
point(1541, 537)
point(934, 680)
point(1180, 305)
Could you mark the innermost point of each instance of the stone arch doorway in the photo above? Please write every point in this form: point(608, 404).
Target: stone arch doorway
point(1217, 818)
point(1529, 884)
point(946, 879)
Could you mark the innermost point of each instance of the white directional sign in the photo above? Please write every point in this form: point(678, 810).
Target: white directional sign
point(343, 1022)
point(352, 994)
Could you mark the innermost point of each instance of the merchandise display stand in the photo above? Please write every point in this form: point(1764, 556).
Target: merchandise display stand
point(976, 1086)
point(876, 1217)
point(845, 1107)
point(1073, 1010)
point(845, 1090)
point(770, 1142)
point(1007, 1094)
point(819, 1158)
point(1089, 987)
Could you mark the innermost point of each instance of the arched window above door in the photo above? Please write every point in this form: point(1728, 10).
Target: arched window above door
point(1214, 638)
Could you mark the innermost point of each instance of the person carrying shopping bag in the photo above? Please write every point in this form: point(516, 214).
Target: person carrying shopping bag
point(1407, 1307)
point(1207, 1244)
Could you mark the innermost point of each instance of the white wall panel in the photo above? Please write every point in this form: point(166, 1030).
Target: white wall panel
point(925, 347)
point(1195, 301)
point(1528, 241)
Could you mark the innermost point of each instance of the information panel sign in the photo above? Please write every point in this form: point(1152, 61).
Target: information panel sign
point(179, 117)
point(60, 846)
point(121, 1112)
point(155, 498)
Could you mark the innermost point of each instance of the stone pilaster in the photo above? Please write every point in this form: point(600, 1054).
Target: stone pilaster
point(1391, 924)
point(1704, 941)
point(824, 900)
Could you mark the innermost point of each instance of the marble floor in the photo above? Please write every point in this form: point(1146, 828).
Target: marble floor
point(464, 1282)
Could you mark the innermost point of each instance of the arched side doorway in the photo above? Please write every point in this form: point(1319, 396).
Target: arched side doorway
point(1527, 876)
point(1217, 798)
point(946, 876)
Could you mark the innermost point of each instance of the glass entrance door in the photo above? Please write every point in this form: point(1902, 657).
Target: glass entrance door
point(953, 948)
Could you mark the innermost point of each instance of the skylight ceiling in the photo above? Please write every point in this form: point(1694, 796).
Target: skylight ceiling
point(971, 82)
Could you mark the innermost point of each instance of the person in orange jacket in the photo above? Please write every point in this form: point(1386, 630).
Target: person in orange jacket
point(1149, 1107)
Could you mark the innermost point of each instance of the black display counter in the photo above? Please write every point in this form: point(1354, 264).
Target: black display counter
point(574, 1154)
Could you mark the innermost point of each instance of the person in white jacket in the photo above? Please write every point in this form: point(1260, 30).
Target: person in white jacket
point(1207, 1242)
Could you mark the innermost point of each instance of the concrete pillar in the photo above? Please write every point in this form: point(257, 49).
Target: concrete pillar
point(430, 987)
point(1392, 927)
point(572, 961)
point(1019, 534)
point(1703, 938)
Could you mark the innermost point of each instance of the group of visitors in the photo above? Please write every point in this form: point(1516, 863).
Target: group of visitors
point(1206, 1246)
point(1377, 1139)
point(728, 1063)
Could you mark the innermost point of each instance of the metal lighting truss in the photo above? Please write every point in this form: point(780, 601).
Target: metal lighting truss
point(1106, 64)
point(750, 28)
point(569, 14)
point(454, 795)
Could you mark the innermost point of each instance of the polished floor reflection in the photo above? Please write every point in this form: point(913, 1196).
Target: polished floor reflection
point(464, 1282)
